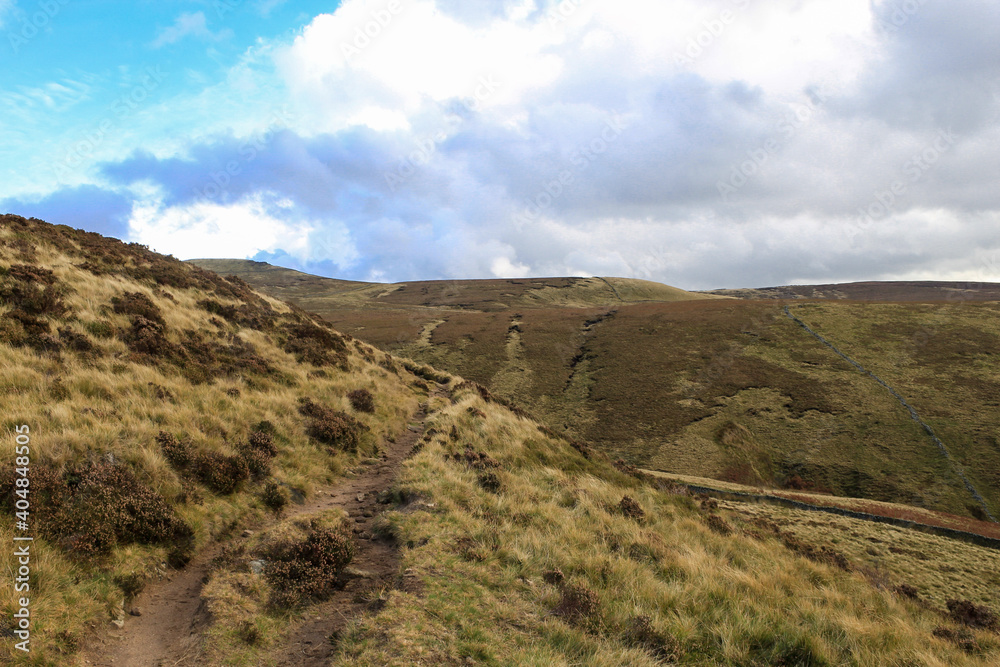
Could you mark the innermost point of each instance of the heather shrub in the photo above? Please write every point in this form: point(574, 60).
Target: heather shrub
point(478, 460)
point(96, 506)
point(137, 304)
point(579, 605)
point(641, 634)
point(362, 400)
point(274, 497)
point(300, 570)
point(315, 345)
point(221, 473)
point(254, 316)
point(338, 430)
point(22, 329)
point(177, 453)
point(31, 289)
point(147, 337)
point(972, 615)
point(490, 481)
point(631, 508)
point(77, 342)
point(258, 452)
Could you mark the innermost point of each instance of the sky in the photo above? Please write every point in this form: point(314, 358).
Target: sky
point(700, 143)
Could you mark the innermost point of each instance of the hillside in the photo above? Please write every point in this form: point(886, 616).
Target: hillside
point(216, 477)
point(327, 295)
point(734, 389)
point(918, 291)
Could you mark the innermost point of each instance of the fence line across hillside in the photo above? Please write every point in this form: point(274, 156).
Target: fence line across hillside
point(956, 466)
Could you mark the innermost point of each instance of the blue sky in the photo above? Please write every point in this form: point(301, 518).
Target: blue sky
point(701, 143)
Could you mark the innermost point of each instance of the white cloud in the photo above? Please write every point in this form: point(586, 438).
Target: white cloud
point(207, 229)
point(365, 56)
point(188, 24)
point(378, 88)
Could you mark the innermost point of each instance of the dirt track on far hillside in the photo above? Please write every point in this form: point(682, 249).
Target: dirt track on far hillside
point(168, 631)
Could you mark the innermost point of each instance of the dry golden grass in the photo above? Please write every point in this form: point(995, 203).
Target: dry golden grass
point(485, 563)
point(110, 405)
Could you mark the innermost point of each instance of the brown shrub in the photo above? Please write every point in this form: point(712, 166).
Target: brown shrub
point(961, 637)
point(221, 473)
point(258, 452)
point(718, 524)
point(333, 428)
point(631, 508)
point(362, 400)
point(137, 304)
point(96, 506)
point(830, 556)
point(77, 342)
point(305, 570)
point(972, 615)
point(478, 460)
point(640, 633)
point(709, 504)
point(554, 577)
point(490, 481)
point(579, 605)
point(32, 289)
point(274, 497)
point(623, 466)
point(147, 337)
point(178, 454)
point(22, 329)
point(315, 345)
point(260, 317)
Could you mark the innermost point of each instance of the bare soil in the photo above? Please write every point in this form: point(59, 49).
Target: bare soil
point(168, 630)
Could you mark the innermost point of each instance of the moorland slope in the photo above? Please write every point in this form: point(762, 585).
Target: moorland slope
point(179, 420)
point(726, 388)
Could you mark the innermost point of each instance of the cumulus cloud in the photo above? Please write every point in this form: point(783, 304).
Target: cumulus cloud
point(702, 144)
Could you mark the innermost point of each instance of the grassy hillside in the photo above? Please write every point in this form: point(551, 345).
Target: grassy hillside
point(184, 427)
point(733, 389)
point(166, 405)
point(921, 291)
point(519, 550)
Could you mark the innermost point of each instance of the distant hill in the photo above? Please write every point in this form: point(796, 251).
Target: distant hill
point(914, 291)
point(726, 388)
point(327, 294)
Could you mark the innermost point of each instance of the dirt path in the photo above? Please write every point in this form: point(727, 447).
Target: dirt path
point(167, 632)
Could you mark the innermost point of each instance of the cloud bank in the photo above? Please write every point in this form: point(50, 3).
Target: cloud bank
point(701, 144)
